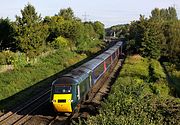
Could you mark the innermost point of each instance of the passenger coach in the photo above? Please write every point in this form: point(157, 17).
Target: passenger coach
point(68, 90)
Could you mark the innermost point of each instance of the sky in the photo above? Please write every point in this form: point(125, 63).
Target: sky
point(109, 12)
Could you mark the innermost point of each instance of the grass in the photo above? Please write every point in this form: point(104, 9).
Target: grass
point(23, 83)
point(139, 96)
point(34, 76)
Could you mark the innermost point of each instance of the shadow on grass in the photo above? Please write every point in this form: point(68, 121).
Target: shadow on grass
point(173, 82)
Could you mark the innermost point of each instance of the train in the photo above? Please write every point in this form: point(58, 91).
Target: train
point(68, 90)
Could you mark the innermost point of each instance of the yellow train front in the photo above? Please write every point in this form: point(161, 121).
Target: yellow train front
point(66, 93)
point(63, 94)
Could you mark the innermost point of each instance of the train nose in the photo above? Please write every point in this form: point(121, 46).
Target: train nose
point(62, 102)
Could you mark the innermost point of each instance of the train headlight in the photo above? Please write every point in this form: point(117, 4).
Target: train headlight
point(70, 100)
point(53, 100)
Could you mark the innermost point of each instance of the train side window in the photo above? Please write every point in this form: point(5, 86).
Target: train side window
point(84, 86)
point(98, 70)
point(82, 89)
point(108, 61)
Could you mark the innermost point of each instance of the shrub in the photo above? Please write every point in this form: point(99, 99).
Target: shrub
point(60, 42)
point(2, 59)
point(134, 100)
point(157, 70)
point(136, 67)
point(6, 57)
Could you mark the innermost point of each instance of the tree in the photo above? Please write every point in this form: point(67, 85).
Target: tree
point(31, 34)
point(67, 14)
point(54, 24)
point(164, 14)
point(99, 29)
point(136, 34)
point(147, 37)
point(6, 35)
point(172, 14)
point(152, 40)
point(172, 33)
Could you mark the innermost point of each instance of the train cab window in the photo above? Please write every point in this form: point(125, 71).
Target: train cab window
point(62, 89)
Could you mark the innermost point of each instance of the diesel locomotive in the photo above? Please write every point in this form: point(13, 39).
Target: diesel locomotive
point(68, 90)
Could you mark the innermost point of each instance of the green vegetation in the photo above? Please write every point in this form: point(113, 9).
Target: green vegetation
point(12, 82)
point(155, 37)
point(37, 49)
point(32, 35)
point(142, 94)
point(174, 75)
point(139, 96)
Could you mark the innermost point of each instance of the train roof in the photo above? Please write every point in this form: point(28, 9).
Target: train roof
point(110, 51)
point(79, 74)
point(103, 56)
point(114, 47)
point(119, 43)
point(84, 69)
point(92, 64)
point(64, 80)
point(74, 77)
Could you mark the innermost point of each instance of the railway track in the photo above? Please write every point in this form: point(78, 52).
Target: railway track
point(23, 113)
point(61, 119)
point(97, 93)
point(26, 114)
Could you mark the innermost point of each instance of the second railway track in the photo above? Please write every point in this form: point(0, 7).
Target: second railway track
point(22, 113)
point(25, 114)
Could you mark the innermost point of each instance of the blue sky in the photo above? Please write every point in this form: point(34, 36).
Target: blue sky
point(110, 12)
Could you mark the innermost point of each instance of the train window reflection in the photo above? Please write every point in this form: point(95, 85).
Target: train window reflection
point(62, 89)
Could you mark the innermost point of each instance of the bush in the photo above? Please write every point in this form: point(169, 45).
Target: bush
point(86, 45)
point(6, 57)
point(135, 100)
point(157, 70)
point(2, 59)
point(60, 42)
point(136, 66)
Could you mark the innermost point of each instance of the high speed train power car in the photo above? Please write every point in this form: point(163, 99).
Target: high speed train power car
point(68, 90)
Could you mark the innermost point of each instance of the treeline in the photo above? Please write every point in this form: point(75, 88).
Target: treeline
point(155, 37)
point(31, 34)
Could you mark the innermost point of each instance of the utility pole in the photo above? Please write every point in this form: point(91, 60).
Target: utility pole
point(85, 17)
